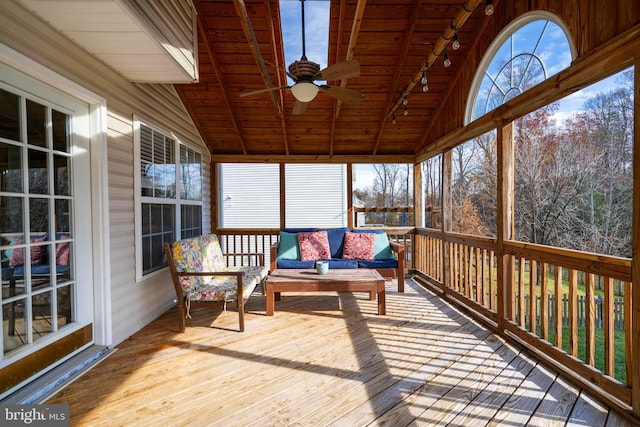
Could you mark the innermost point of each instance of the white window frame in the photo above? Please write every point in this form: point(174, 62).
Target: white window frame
point(99, 186)
point(505, 34)
point(177, 202)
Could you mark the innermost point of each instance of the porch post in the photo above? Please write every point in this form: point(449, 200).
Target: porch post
point(350, 214)
point(418, 196)
point(445, 209)
point(214, 190)
point(635, 251)
point(283, 213)
point(505, 223)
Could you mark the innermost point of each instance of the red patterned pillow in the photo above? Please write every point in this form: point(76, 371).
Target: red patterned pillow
point(62, 251)
point(359, 246)
point(314, 245)
point(37, 252)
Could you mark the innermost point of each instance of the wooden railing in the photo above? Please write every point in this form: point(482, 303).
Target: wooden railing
point(589, 347)
point(465, 268)
point(246, 240)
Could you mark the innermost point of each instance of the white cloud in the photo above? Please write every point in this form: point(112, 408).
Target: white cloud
point(364, 176)
point(316, 30)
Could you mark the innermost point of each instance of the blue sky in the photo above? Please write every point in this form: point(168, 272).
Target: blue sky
point(316, 30)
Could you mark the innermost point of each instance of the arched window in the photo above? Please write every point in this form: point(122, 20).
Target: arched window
point(526, 53)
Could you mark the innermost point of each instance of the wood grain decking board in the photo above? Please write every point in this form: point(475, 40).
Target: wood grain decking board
point(327, 358)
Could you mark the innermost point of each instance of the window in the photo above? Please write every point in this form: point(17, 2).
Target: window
point(44, 266)
point(383, 194)
point(530, 50)
point(170, 194)
point(473, 186)
point(573, 170)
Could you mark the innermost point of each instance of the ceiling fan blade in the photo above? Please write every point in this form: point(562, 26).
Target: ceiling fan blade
point(339, 71)
point(345, 95)
point(269, 89)
point(299, 108)
point(282, 69)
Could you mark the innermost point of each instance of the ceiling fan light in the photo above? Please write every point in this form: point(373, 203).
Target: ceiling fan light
point(304, 91)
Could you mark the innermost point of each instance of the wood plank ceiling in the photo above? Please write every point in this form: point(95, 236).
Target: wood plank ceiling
point(392, 40)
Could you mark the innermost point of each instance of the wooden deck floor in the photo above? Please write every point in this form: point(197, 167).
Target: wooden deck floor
point(327, 359)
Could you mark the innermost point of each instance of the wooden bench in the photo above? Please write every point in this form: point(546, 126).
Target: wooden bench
point(201, 273)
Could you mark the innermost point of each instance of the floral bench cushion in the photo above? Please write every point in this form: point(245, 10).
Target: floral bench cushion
point(203, 254)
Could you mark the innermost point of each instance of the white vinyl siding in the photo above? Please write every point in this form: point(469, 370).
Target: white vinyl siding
point(132, 305)
point(316, 195)
point(249, 195)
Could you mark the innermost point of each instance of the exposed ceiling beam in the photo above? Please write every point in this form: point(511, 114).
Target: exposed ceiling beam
point(447, 35)
point(334, 116)
point(311, 158)
point(408, 35)
point(216, 68)
point(241, 9)
point(353, 39)
point(277, 50)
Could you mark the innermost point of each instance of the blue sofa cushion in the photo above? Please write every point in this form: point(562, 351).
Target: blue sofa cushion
point(298, 230)
point(336, 240)
point(292, 263)
point(342, 263)
point(385, 263)
point(288, 248)
point(39, 269)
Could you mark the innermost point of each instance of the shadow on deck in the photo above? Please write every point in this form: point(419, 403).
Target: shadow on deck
point(327, 359)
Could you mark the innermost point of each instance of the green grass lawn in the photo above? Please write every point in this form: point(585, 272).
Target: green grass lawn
point(620, 372)
point(619, 339)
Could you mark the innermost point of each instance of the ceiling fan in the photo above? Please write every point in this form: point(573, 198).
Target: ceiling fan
point(304, 73)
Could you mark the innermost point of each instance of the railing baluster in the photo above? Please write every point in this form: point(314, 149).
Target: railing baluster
point(628, 309)
point(511, 297)
point(492, 277)
point(590, 320)
point(609, 333)
point(521, 308)
point(544, 301)
point(483, 279)
point(557, 273)
point(533, 300)
point(479, 290)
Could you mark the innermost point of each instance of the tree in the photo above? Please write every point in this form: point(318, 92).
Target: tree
point(389, 188)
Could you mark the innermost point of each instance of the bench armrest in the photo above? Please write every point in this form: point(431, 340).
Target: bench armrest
point(398, 248)
point(273, 259)
point(400, 251)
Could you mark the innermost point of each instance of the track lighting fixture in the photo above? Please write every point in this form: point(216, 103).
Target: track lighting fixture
point(455, 45)
point(488, 7)
point(447, 61)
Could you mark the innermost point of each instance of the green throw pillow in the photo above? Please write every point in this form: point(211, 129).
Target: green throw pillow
point(288, 247)
point(381, 247)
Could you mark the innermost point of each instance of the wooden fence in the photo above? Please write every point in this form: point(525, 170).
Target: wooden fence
point(581, 307)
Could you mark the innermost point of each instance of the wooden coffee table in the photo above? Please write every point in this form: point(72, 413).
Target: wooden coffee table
point(348, 280)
